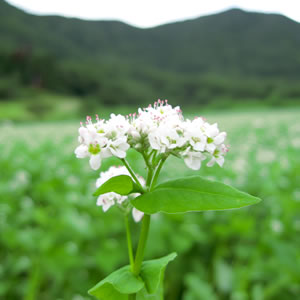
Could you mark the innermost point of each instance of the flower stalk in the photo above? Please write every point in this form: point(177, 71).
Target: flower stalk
point(129, 242)
point(142, 245)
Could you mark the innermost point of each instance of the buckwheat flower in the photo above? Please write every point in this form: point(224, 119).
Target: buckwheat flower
point(118, 147)
point(91, 145)
point(218, 156)
point(162, 110)
point(214, 137)
point(109, 199)
point(103, 139)
point(118, 125)
point(192, 158)
point(165, 138)
point(195, 135)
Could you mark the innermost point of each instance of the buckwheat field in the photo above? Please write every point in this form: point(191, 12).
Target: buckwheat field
point(55, 242)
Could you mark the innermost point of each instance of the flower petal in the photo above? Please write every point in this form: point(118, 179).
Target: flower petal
point(95, 161)
point(137, 215)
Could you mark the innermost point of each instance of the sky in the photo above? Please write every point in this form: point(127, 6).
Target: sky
point(149, 13)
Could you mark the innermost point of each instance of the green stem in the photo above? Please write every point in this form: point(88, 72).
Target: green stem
point(153, 157)
point(141, 246)
point(150, 168)
point(146, 159)
point(151, 181)
point(129, 243)
point(149, 177)
point(131, 173)
point(157, 171)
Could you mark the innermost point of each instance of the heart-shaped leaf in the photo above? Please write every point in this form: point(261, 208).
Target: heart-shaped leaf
point(122, 184)
point(117, 285)
point(192, 194)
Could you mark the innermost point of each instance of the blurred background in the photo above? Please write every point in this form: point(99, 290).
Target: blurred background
point(236, 63)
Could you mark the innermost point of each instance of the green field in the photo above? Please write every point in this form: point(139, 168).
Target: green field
point(55, 243)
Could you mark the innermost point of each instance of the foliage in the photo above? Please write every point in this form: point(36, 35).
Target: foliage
point(122, 282)
point(232, 55)
point(192, 193)
point(55, 243)
point(122, 185)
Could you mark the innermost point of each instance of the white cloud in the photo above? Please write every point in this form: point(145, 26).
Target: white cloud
point(147, 13)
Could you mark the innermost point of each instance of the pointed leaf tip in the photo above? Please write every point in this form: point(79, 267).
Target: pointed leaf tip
point(192, 194)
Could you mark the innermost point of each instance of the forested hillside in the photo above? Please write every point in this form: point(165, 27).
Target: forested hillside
point(230, 55)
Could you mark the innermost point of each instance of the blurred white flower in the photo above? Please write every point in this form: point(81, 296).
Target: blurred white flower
point(265, 155)
point(277, 226)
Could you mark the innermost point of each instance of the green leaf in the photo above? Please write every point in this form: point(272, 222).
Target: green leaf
point(152, 272)
point(192, 194)
point(121, 184)
point(158, 295)
point(117, 285)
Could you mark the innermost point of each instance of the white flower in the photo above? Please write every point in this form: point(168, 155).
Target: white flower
point(214, 137)
point(109, 199)
point(165, 138)
point(194, 133)
point(148, 119)
point(192, 158)
point(103, 139)
point(117, 125)
point(118, 147)
point(160, 127)
point(218, 156)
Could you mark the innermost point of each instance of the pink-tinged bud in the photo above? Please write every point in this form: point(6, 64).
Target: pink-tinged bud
point(149, 105)
point(81, 124)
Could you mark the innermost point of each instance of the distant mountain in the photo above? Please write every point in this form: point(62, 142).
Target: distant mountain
point(233, 43)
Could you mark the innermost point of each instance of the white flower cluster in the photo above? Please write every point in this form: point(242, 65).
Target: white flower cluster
point(161, 128)
point(103, 139)
point(109, 199)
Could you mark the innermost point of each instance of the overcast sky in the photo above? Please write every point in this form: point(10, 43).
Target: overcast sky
point(148, 13)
